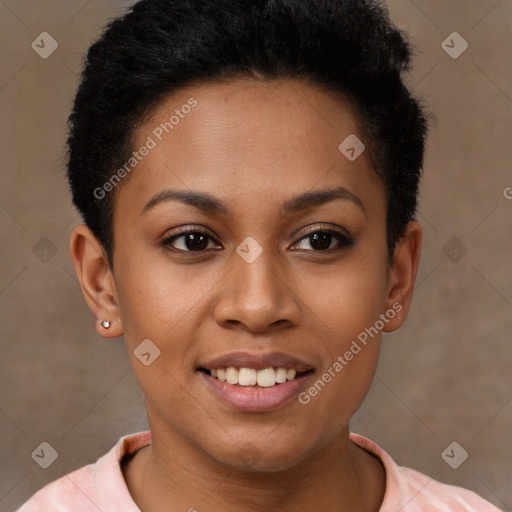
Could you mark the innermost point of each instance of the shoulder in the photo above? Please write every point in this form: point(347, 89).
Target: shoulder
point(409, 490)
point(70, 492)
point(422, 491)
point(93, 486)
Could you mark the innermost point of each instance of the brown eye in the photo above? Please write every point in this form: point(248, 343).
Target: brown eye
point(321, 241)
point(189, 241)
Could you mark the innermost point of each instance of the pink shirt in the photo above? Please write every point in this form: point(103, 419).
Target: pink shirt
point(101, 486)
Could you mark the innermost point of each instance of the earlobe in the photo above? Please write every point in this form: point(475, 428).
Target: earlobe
point(403, 273)
point(96, 280)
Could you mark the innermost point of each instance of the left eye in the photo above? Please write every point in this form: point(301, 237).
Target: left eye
point(321, 240)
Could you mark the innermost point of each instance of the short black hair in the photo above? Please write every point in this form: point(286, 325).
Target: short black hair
point(347, 47)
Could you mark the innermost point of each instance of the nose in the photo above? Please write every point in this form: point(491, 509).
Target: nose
point(257, 296)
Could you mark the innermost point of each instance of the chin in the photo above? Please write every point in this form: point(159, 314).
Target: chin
point(264, 457)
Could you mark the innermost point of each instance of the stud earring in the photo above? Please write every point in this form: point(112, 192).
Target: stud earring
point(105, 324)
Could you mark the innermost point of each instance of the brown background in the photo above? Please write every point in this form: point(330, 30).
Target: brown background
point(445, 376)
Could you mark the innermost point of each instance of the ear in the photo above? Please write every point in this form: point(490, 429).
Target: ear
point(96, 279)
point(402, 276)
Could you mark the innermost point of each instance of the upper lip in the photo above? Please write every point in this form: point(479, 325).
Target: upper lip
point(257, 361)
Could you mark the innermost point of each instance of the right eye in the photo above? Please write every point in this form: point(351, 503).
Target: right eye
point(189, 240)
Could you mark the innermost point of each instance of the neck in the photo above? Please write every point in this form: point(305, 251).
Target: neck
point(170, 475)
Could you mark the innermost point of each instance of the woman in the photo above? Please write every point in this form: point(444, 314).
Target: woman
point(248, 175)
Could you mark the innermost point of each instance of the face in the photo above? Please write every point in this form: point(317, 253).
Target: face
point(245, 238)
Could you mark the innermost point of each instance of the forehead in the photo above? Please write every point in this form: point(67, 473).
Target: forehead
point(250, 141)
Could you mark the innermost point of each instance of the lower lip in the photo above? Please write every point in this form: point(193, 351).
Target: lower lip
point(256, 399)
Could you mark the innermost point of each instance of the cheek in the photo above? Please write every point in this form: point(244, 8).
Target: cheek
point(346, 314)
point(338, 390)
point(158, 298)
point(346, 298)
point(346, 310)
point(168, 304)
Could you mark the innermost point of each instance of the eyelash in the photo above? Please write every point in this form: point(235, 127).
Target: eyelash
point(344, 240)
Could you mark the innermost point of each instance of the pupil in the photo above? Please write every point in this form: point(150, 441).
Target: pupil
point(320, 241)
point(196, 242)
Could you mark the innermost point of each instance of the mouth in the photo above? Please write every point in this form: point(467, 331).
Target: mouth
point(253, 378)
point(255, 382)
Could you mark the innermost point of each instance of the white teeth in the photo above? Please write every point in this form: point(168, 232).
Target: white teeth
point(247, 377)
point(232, 375)
point(265, 378)
point(281, 375)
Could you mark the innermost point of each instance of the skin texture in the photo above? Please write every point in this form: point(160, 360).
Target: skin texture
point(252, 144)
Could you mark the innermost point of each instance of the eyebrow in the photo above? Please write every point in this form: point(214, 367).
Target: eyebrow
point(210, 204)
